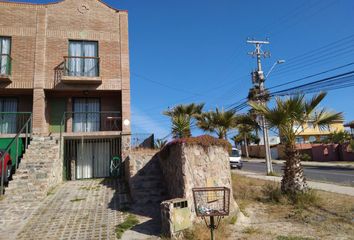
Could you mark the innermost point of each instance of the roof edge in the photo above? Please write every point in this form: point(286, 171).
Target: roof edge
point(59, 1)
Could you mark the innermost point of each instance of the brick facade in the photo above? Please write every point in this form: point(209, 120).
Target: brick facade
point(40, 35)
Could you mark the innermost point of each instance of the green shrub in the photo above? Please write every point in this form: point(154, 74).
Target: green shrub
point(272, 193)
point(302, 200)
point(305, 157)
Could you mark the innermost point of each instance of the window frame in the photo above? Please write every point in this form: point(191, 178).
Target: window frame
point(81, 41)
point(10, 49)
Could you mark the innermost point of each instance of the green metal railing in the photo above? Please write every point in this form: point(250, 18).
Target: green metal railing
point(25, 129)
point(5, 64)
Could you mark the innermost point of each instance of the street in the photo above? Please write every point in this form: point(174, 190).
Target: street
point(323, 174)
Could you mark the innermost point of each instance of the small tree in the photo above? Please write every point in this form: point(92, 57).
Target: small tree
point(182, 117)
point(285, 115)
point(218, 122)
point(246, 124)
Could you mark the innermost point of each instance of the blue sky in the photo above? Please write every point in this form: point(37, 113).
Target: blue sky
point(195, 51)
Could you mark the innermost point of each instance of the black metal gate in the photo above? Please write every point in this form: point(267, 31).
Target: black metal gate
point(89, 157)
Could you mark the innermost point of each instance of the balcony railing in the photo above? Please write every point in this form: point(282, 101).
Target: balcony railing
point(81, 66)
point(11, 122)
point(5, 65)
point(78, 70)
point(85, 122)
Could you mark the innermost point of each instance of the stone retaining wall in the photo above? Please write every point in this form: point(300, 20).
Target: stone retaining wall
point(187, 166)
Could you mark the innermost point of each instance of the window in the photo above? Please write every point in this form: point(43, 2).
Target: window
point(310, 125)
point(8, 115)
point(5, 60)
point(83, 59)
point(312, 139)
point(299, 140)
point(297, 128)
point(86, 115)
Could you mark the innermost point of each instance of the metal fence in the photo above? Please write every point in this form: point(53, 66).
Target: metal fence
point(25, 130)
point(142, 140)
point(91, 121)
point(88, 157)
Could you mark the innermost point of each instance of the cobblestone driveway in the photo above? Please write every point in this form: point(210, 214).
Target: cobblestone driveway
point(87, 209)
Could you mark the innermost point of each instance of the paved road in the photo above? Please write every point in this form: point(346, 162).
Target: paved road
point(323, 174)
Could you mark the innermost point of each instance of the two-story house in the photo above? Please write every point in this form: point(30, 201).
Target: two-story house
point(308, 133)
point(67, 64)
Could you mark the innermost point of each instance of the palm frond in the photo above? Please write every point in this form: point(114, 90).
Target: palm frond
point(324, 118)
point(311, 105)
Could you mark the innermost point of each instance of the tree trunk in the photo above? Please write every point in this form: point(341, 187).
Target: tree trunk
point(293, 179)
point(246, 146)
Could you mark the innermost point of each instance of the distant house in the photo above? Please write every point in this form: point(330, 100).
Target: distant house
point(351, 126)
point(308, 133)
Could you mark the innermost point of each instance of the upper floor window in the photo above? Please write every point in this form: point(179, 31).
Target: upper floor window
point(83, 59)
point(310, 125)
point(5, 59)
point(298, 128)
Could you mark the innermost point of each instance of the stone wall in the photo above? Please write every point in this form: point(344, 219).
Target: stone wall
point(144, 177)
point(186, 166)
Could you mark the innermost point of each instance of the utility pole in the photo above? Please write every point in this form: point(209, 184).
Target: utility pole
point(258, 81)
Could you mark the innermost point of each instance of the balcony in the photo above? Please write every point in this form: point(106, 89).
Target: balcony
point(78, 70)
point(5, 68)
point(91, 123)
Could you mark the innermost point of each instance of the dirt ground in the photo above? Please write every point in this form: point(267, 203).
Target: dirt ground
point(270, 215)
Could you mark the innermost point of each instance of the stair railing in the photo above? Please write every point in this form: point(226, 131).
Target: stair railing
point(25, 129)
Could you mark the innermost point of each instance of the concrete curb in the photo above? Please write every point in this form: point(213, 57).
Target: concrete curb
point(314, 185)
point(309, 164)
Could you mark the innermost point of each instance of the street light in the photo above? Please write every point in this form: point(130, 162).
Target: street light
point(264, 125)
point(271, 69)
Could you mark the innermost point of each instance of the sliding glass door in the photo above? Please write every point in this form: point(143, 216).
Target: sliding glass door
point(8, 115)
point(86, 115)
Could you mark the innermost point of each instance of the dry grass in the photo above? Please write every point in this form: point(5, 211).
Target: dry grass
point(201, 232)
point(272, 215)
point(324, 213)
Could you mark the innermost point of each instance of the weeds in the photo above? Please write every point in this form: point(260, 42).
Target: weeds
point(274, 174)
point(293, 238)
point(77, 199)
point(251, 230)
point(233, 220)
point(129, 222)
point(272, 193)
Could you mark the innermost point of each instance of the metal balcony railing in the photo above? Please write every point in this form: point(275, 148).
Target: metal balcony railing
point(5, 65)
point(81, 122)
point(81, 66)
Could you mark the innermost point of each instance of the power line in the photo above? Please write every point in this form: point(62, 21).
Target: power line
point(313, 75)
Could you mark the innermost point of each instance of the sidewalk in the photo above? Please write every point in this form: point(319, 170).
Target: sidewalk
point(345, 165)
point(314, 185)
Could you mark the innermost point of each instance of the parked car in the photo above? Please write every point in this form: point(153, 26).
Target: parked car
point(8, 165)
point(235, 159)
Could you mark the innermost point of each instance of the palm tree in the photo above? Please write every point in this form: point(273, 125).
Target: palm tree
point(218, 122)
point(286, 115)
point(181, 127)
point(246, 124)
point(182, 116)
point(160, 143)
